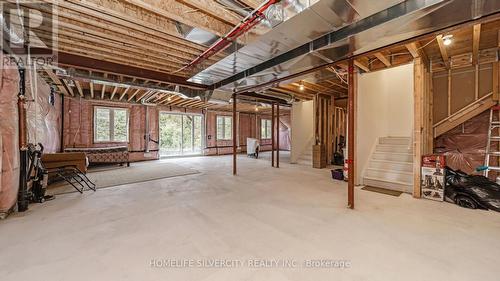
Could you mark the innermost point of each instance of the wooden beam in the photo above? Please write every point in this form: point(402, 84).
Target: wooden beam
point(178, 12)
point(91, 89)
point(84, 62)
point(413, 49)
point(113, 93)
point(442, 50)
point(103, 90)
point(381, 57)
point(70, 89)
point(56, 81)
point(418, 107)
point(143, 95)
point(362, 65)
point(79, 87)
point(215, 10)
point(476, 35)
point(124, 93)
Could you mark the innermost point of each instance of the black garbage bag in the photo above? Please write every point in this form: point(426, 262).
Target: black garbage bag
point(471, 191)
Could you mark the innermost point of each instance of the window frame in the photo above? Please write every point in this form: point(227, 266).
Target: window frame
point(262, 122)
point(111, 128)
point(223, 126)
point(203, 143)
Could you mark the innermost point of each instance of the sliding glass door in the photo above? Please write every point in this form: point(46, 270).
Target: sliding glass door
point(180, 134)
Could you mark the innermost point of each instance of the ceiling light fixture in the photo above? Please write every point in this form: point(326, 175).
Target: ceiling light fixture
point(447, 40)
point(301, 87)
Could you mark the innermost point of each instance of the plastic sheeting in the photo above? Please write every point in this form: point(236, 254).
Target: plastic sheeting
point(465, 145)
point(9, 176)
point(43, 118)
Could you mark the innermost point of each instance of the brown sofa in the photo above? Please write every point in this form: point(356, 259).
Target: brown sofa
point(59, 160)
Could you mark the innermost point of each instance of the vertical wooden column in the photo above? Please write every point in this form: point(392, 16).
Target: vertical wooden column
point(272, 134)
point(277, 135)
point(351, 100)
point(235, 135)
point(418, 93)
point(422, 120)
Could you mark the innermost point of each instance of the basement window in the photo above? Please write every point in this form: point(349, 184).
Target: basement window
point(110, 124)
point(224, 127)
point(265, 129)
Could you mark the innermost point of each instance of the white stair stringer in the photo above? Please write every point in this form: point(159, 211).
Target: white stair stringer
point(391, 165)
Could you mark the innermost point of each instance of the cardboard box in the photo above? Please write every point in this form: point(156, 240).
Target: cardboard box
point(433, 177)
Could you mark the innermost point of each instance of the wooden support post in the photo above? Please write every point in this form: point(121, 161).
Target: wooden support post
point(272, 134)
point(234, 134)
point(495, 81)
point(351, 99)
point(418, 98)
point(449, 93)
point(277, 135)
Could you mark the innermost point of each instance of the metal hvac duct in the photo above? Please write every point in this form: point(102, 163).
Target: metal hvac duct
point(332, 30)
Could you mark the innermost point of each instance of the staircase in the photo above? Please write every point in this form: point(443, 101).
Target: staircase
point(306, 158)
point(391, 165)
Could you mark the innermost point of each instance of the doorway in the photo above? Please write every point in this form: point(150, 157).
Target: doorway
point(180, 134)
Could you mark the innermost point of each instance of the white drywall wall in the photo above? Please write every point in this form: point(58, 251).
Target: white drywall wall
point(385, 108)
point(302, 128)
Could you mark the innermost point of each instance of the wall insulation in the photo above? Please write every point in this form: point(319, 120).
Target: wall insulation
point(9, 146)
point(43, 115)
point(248, 127)
point(465, 145)
point(79, 126)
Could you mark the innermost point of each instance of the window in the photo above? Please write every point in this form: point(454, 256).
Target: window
point(110, 124)
point(265, 129)
point(224, 127)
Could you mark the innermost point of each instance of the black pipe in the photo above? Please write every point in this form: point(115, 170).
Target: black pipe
point(22, 194)
point(61, 135)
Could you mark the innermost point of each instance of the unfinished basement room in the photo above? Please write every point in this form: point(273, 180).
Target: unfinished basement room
point(250, 140)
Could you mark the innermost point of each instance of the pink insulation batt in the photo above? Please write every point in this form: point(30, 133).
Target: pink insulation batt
point(9, 177)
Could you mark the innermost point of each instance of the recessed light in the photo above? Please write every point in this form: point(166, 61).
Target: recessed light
point(447, 40)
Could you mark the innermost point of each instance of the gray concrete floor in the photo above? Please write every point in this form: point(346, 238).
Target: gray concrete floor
point(294, 213)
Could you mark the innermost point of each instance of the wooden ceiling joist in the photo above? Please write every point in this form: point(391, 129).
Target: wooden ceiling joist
point(103, 90)
point(113, 93)
point(124, 93)
point(362, 65)
point(70, 89)
point(79, 88)
point(442, 50)
point(91, 85)
point(77, 61)
point(214, 9)
point(130, 97)
point(56, 81)
point(176, 11)
point(416, 50)
point(381, 57)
